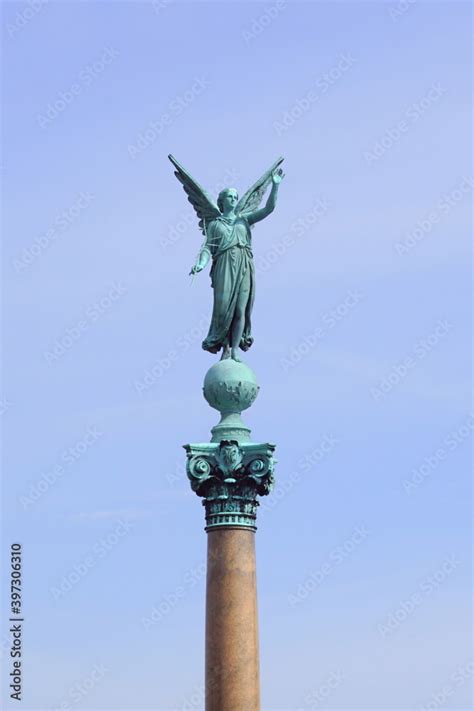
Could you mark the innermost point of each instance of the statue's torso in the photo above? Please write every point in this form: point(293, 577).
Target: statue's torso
point(224, 234)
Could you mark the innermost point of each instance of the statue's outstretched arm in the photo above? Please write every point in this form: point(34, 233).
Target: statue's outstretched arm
point(205, 251)
point(202, 260)
point(258, 215)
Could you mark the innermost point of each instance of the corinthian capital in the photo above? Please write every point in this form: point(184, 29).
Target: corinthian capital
point(229, 476)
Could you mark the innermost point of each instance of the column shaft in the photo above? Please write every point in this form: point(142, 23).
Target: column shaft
point(232, 660)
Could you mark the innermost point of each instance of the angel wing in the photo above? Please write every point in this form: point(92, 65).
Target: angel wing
point(204, 206)
point(253, 197)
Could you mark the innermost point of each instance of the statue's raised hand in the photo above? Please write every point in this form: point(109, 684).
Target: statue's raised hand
point(277, 176)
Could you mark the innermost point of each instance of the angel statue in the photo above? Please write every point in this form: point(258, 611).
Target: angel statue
point(226, 228)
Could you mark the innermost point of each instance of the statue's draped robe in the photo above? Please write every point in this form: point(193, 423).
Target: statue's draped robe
point(232, 273)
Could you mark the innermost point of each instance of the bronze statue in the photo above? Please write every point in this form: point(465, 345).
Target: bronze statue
point(226, 226)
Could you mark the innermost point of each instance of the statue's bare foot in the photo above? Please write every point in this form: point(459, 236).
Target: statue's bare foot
point(235, 355)
point(225, 353)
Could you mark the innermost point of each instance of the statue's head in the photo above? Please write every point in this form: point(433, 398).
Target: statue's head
point(227, 199)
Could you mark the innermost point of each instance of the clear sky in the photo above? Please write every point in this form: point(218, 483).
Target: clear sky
point(362, 349)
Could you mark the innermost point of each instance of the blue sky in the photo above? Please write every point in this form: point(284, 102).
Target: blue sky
point(361, 347)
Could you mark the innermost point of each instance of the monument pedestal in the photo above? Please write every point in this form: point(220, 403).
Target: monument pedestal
point(229, 473)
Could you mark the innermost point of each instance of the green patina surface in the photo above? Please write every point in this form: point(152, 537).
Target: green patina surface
point(230, 472)
point(229, 476)
point(226, 225)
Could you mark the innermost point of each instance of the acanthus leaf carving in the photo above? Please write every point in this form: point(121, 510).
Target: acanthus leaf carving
point(229, 476)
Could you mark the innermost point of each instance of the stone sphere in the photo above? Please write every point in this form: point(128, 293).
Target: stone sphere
point(230, 387)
